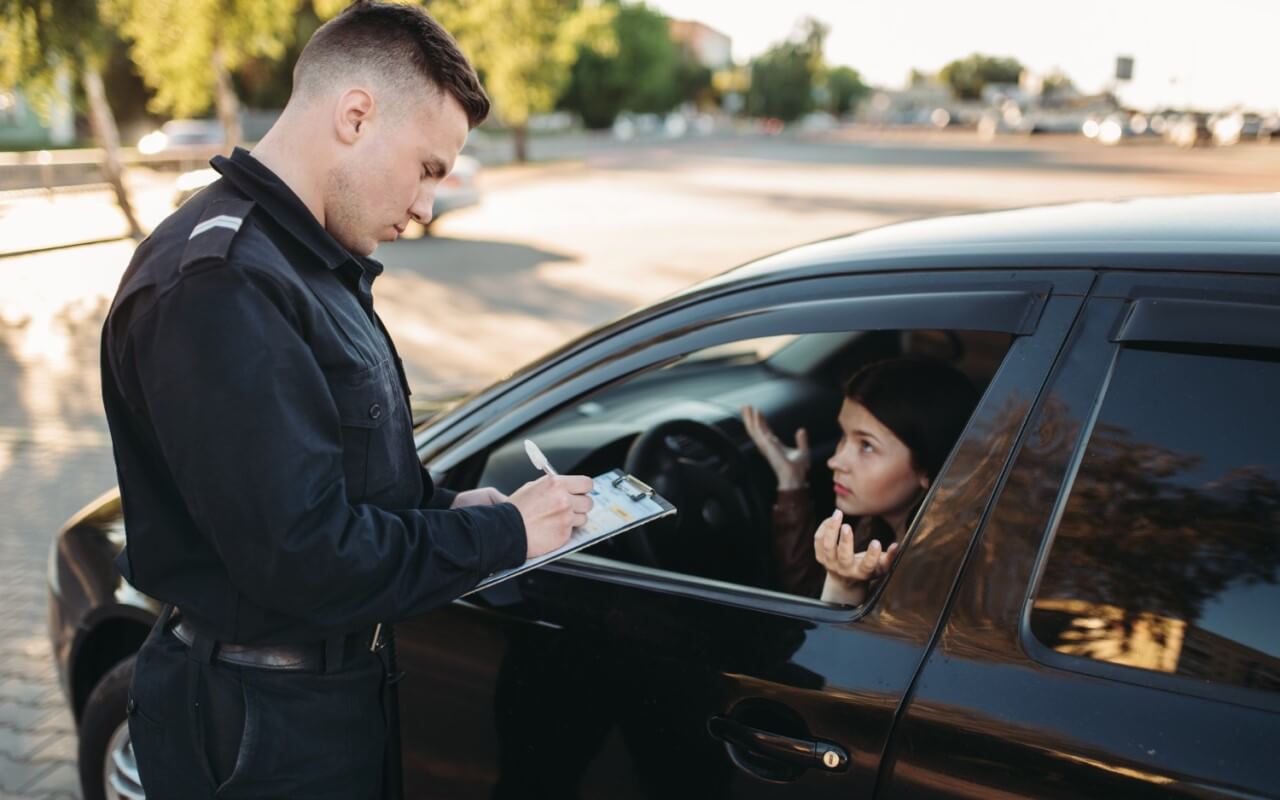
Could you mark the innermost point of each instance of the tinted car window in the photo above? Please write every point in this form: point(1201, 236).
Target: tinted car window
point(1167, 555)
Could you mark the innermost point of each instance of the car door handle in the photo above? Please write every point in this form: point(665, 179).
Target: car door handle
point(809, 753)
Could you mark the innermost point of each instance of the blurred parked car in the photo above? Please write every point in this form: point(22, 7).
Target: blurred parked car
point(771, 126)
point(1189, 130)
point(1269, 128)
point(1083, 606)
point(1119, 126)
point(460, 189)
point(182, 134)
point(1047, 121)
point(1235, 127)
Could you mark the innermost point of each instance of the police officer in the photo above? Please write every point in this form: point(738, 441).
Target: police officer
point(272, 494)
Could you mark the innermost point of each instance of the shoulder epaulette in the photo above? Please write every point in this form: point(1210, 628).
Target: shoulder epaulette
point(212, 236)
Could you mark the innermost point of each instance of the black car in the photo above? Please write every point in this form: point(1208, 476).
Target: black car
point(1084, 606)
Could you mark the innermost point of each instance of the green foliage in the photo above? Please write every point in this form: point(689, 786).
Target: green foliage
point(846, 89)
point(1056, 85)
point(524, 49)
point(643, 75)
point(781, 83)
point(263, 82)
point(328, 9)
point(968, 76)
point(39, 37)
point(125, 88)
point(783, 77)
point(175, 42)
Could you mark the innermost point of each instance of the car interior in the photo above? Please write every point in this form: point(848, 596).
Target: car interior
point(678, 427)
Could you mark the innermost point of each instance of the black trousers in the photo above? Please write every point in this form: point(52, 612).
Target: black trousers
point(204, 729)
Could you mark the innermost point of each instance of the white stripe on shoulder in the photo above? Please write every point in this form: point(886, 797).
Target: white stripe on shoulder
point(220, 221)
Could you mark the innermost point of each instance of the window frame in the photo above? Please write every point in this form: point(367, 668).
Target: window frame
point(685, 311)
point(1150, 316)
point(1008, 302)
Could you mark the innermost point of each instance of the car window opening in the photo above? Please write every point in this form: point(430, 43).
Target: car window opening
point(694, 429)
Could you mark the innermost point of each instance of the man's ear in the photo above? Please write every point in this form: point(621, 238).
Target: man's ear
point(352, 114)
point(924, 481)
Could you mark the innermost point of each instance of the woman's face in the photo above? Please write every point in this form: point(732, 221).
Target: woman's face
point(872, 468)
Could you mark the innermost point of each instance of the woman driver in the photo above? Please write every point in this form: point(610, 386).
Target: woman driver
point(899, 421)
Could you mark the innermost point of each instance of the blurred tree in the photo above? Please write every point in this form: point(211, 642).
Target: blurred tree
point(1056, 88)
point(40, 39)
point(263, 82)
point(644, 74)
point(918, 78)
point(128, 93)
point(695, 82)
point(1133, 512)
point(328, 9)
point(524, 50)
point(846, 89)
point(186, 50)
point(968, 76)
point(783, 78)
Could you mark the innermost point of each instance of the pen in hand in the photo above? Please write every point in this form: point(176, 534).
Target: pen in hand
point(539, 460)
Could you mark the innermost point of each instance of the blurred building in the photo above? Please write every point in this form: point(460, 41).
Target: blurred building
point(1151, 641)
point(22, 127)
point(710, 47)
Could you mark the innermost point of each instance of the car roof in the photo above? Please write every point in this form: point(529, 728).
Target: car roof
point(1228, 233)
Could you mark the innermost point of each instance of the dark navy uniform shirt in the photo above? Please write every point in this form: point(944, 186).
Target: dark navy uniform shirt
point(263, 441)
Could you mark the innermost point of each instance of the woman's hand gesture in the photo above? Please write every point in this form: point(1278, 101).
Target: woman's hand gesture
point(848, 572)
point(790, 464)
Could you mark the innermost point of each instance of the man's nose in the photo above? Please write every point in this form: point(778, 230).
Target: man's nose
point(421, 208)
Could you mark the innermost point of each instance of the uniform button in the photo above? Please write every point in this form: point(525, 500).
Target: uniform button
point(375, 411)
point(132, 706)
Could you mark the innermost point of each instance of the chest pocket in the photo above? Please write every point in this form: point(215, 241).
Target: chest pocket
point(378, 457)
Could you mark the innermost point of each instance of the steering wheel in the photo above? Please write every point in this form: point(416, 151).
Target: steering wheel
point(719, 531)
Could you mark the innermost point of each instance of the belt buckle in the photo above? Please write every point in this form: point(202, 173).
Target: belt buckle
point(377, 643)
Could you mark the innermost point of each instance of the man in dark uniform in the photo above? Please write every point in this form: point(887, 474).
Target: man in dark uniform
point(272, 494)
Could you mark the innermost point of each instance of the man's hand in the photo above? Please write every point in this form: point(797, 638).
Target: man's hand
point(484, 496)
point(790, 464)
point(552, 506)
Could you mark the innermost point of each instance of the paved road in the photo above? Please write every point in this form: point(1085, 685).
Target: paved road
point(554, 250)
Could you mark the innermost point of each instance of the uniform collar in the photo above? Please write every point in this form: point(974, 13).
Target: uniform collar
point(274, 196)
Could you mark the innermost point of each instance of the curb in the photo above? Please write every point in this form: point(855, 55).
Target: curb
point(67, 246)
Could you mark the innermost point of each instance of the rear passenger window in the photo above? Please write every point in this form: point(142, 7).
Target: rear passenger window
point(1168, 552)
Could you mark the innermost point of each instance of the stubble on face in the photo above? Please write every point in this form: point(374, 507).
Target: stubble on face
point(368, 198)
point(343, 212)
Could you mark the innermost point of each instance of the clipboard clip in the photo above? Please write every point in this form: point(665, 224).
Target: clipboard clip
point(638, 489)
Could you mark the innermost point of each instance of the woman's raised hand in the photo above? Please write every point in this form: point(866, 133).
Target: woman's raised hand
point(790, 464)
point(833, 547)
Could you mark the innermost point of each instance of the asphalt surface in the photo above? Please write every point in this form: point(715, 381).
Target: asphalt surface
point(555, 249)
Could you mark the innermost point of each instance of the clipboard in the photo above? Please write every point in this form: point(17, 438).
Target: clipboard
point(620, 502)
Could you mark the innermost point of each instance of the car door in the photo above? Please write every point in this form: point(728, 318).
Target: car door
point(1114, 632)
point(599, 678)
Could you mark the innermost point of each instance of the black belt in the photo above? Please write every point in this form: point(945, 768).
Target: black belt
point(324, 656)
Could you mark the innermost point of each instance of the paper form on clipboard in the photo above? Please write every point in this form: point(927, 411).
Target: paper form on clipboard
point(620, 502)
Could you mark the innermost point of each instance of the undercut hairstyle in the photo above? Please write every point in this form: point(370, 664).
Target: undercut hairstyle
point(926, 403)
point(397, 45)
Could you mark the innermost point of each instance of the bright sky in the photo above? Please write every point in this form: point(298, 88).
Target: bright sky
point(1208, 54)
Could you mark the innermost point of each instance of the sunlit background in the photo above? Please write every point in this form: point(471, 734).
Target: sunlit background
point(637, 150)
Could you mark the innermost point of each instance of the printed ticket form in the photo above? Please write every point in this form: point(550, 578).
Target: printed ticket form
point(620, 503)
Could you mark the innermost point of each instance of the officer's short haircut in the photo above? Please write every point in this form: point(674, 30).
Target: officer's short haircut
point(399, 44)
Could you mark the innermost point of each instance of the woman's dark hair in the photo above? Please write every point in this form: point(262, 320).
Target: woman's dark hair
point(925, 402)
